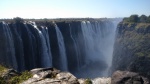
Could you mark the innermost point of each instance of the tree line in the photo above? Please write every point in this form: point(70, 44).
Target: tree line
point(137, 19)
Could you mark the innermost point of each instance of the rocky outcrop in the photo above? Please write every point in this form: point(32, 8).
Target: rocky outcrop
point(54, 76)
point(9, 74)
point(126, 77)
point(102, 80)
point(132, 47)
point(51, 76)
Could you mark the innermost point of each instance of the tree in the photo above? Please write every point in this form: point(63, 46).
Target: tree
point(126, 19)
point(143, 18)
point(134, 18)
point(148, 19)
point(18, 19)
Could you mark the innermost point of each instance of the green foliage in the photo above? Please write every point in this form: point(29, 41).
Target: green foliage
point(18, 79)
point(148, 19)
point(137, 19)
point(2, 80)
point(139, 54)
point(2, 69)
point(18, 19)
point(134, 18)
point(143, 18)
point(88, 81)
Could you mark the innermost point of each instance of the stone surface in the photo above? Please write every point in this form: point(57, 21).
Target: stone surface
point(10, 73)
point(81, 80)
point(66, 76)
point(103, 80)
point(51, 76)
point(126, 77)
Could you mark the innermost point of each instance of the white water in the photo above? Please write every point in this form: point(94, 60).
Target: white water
point(98, 42)
point(10, 52)
point(76, 49)
point(46, 59)
point(62, 50)
point(93, 50)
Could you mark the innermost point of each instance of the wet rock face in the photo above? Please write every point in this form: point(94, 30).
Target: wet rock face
point(126, 77)
point(132, 47)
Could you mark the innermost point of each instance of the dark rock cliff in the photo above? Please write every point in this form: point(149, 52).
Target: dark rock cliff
point(132, 48)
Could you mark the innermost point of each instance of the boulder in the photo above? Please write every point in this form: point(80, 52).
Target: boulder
point(81, 81)
point(66, 76)
point(126, 77)
point(44, 72)
point(10, 73)
point(103, 80)
point(51, 76)
point(37, 70)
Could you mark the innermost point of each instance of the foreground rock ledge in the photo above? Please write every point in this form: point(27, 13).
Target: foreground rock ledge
point(126, 77)
point(54, 76)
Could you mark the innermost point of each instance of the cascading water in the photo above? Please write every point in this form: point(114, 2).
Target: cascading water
point(62, 50)
point(9, 46)
point(76, 49)
point(46, 58)
point(82, 47)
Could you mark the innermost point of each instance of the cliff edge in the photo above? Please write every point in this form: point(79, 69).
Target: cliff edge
point(132, 47)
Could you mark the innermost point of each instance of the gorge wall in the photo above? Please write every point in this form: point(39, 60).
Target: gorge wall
point(82, 47)
point(132, 47)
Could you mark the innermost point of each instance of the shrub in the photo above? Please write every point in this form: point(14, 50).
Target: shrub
point(18, 79)
point(2, 69)
point(13, 80)
point(18, 19)
point(143, 18)
point(134, 18)
point(88, 81)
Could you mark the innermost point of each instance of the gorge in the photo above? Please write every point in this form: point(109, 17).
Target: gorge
point(82, 47)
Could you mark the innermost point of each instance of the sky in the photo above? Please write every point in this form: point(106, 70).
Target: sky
point(39, 9)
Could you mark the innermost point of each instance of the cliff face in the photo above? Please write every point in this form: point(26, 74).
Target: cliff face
point(83, 48)
point(132, 48)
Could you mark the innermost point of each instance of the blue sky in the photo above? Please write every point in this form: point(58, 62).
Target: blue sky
point(73, 8)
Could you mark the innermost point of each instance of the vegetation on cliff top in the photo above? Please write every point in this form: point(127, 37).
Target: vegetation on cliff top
point(15, 79)
point(133, 45)
point(137, 19)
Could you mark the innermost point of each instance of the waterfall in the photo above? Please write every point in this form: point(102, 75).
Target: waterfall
point(62, 50)
point(98, 38)
point(19, 48)
point(76, 49)
point(46, 57)
point(10, 50)
point(82, 47)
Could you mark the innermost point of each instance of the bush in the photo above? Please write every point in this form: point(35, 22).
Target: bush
point(88, 81)
point(143, 18)
point(2, 69)
point(18, 79)
point(13, 80)
point(134, 18)
point(18, 19)
point(148, 19)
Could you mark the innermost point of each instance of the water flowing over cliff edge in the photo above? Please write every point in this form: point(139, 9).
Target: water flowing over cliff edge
point(82, 47)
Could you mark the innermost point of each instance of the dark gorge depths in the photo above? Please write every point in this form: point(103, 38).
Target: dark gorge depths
point(83, 47)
